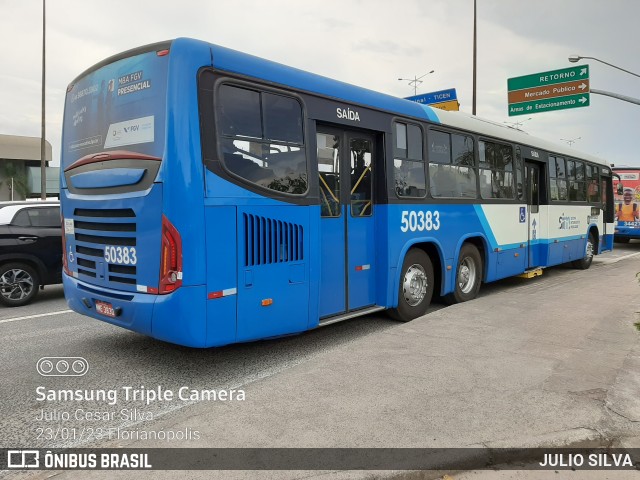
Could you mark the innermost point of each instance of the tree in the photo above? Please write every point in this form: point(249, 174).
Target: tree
point(9, 170)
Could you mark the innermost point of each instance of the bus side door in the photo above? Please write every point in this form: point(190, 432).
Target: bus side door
point(347, 236)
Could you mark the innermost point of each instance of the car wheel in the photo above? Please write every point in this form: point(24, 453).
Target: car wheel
point(416, 286)
point(18, 284)
point(468, 275)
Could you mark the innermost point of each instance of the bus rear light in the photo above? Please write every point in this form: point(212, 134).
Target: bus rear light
point(170, 258)
point(162, 53)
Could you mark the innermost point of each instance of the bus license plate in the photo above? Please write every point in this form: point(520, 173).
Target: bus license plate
point(105, 309)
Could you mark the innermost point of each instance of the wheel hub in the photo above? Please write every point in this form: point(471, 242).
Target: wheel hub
point(414, 285)
point(16, 284)
point(589, 249)
point(467, 275)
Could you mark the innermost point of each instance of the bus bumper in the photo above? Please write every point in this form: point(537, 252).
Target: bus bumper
point(626, 232)
point(164, 317)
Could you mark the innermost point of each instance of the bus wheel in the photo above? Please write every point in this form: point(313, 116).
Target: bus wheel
point(416, 286)
point(468, 275)
point(621, 239)
point(590, 250)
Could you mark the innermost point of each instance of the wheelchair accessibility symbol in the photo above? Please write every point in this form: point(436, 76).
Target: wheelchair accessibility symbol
point(523, 214)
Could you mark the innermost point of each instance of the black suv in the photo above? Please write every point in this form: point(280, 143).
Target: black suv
point(30, 249)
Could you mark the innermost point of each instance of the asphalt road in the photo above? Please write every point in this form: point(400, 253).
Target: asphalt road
point(119, 358)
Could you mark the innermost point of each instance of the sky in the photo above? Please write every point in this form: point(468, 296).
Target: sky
point(370, 43)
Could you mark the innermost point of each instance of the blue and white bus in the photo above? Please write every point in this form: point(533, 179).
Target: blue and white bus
point(626, 184)
point(211, 197)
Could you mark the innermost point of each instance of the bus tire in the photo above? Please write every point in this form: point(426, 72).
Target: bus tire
point(468, 275)
point(590, 250)
point(621, 239)
point(19, 284)
point(416, 286)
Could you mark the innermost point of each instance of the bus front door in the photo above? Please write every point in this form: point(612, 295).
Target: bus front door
point(532, 172)
point(347, 236)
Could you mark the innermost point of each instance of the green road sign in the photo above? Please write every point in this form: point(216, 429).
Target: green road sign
point(549, 104)
point(548, 89)
point(552, 77)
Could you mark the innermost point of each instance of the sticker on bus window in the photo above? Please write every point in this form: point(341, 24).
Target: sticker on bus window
point(130, 132)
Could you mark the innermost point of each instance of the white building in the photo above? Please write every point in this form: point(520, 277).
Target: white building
point(20, 168)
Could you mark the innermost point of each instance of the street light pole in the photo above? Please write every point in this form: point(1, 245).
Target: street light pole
point(570, 142)
point(576, 58)
point(517, 124)
point(415, 81)
point(475, 21)
point(43, 168)
point(624, 98)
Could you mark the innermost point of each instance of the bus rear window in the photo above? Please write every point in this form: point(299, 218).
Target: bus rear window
point(119, 106)
point(262, 138)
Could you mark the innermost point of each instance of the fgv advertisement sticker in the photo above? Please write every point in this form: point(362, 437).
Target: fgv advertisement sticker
point(131, 132)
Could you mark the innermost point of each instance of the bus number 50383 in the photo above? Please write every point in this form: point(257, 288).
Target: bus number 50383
point(420, 221)
point(120, 255)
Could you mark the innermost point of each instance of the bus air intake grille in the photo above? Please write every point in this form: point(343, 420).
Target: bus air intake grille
point(269, 241)
point(105, 213)
point(96, 229)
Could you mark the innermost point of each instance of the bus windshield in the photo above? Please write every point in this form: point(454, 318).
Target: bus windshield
point(119, 106)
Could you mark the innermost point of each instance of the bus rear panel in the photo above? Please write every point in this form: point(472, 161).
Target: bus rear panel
point(123, 233)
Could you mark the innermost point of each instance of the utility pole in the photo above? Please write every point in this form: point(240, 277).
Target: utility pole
point(43, 144)
point(475, 24)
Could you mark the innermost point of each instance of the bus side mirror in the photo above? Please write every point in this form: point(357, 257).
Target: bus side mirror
point(620, 189)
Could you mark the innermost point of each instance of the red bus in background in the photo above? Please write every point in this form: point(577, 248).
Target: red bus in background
point(627, 203)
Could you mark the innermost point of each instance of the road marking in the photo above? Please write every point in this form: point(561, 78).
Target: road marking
point(35, 316)
point(618, 259)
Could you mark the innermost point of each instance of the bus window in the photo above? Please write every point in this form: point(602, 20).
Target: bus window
point(329, 171)
point(361, 185)
point(262, 138)
point(593, 188)
point(409, 176)
point(533, 175)
point(496, 170)
point(519, 174)
point(557, 178)
point(577, 185)
point(451, 165)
